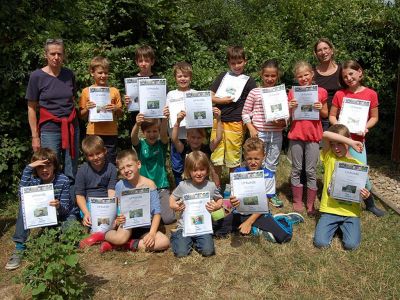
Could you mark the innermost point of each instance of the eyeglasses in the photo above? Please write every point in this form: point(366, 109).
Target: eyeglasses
point(54, 41)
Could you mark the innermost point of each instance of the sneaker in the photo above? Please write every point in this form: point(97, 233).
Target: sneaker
point(275, 201)
point(294, 217)
point(15, 260)
point(269, 236)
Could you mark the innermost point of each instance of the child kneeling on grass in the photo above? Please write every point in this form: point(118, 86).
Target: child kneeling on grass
point(196, 171)
point(145, 238)
point(275, 229)
point(337, 214)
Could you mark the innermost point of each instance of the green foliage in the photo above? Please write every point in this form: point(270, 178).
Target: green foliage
point(53, 270)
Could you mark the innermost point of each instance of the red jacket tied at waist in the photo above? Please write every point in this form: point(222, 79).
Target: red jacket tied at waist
point(67, 128)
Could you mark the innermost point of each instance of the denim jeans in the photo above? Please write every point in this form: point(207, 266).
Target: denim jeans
point(328, 224)
point(273, 145)
point(182, 246)
point(52, 140)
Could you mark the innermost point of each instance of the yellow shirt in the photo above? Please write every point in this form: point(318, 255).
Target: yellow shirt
point(329, 204)
point(107, 127)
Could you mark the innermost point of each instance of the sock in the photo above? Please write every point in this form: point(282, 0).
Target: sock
point(20, 246)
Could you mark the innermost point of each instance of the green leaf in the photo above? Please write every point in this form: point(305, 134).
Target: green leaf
point(40, 289)
point(71, 260)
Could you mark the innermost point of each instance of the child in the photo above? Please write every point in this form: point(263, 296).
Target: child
point(43, 169)
point(152, 152)
point(195, 141)
point(304, 136)
point(197, 168)
point(228, 152)
point(254, 118)
point(108, 131)
point(351, 80)
point(275, 230)
point(334, 213)
point(145, 238)
point(95, 178)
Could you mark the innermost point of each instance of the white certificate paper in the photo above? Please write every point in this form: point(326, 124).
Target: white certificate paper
point(36, 210)
point(347, 181)
point(152, 97)
point(306, 96)
point(196, 218)
point(175, 106)
point(100, 96)
point(354, 114)
point(132, 90)
point(103, 212)
point(198, 108)
point(135, 206)
point(275, 103)
point(232, 86)
point(249, 189)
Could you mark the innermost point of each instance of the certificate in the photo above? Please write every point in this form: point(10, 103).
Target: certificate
point(275, 103)
point(347, 181)
point(198, 107)
point(306, 96)
point(249, 189)
point(152, 97)
point(196, 218)
point(103, 212)
point(232, 86)
point(36, 210)
point(135, 206)
point(354, 114)
point(175, 106)
point(132, 90)
point(100, 96)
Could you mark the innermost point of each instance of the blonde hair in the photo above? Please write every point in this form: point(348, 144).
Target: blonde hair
point(184, 67)
point(99, 61)
point(195, 160)
point(253, 144)
point(127, 153)
point(92, 143)
point(200, 131)
point(302, 64)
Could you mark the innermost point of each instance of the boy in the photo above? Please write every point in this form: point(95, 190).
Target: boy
point(142, 237)
point(274, 229)
point(228, 151)
point(152, 152)
point(108, 131)
point(43, 169)
point(95, 178)
point(337, 214)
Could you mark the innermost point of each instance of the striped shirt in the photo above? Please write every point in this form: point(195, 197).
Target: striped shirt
point(253, 112)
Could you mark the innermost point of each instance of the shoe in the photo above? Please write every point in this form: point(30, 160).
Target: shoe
point(297, 192)
point(94, 238)
point(132, 245)
point(275, 201)
point(370, 206)
point(294, 217)
point(106, 246)
point(267, 235)
point(311, 195)
point(15, 260)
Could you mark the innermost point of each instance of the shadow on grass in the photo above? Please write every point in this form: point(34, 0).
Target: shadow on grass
point(93, 283)
point(6, 224)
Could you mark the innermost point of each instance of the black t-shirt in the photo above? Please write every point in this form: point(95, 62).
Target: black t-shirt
point(186, 150)
point(331, 83)
point(232, 112)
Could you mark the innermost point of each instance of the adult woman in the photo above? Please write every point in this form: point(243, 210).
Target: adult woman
point(327, 72)
point(52, 90)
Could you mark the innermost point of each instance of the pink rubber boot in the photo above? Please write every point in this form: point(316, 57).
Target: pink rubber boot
point(311, 195)
point(297, 192)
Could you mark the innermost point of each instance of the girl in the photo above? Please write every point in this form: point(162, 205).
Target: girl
point(254, 118)
point(352, 75)
point(304, 136)
point(196, 171)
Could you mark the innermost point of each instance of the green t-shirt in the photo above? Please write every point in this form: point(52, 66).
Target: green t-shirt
point(153, 159)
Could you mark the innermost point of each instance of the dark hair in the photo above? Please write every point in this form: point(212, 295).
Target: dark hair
point(148, 123)
point(273, 64)
point(145, 51)
point(235, 52)
point(326, 41)
point(46, 154)
point(349, 64)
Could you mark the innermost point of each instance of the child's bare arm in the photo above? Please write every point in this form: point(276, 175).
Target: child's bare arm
point(329, 136)
point(176, 205)
point(110, 193)
point(164, 131)
point(135, 129)
point(220, 101)
point(245, 227)
point(219, 131)
point(81, 202)
point(333, 115)
point(175, 132)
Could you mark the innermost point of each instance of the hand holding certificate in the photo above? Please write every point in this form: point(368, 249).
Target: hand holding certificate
point(152, 97)
point(354, 114)
point(135, 206)
point(232, 86)
point(198, 108)
point(132, 90)
point(249, 189)
point(306, 97)
point(176, 106)
point(196, 218)
point(275, 103)
point(100, 96)
point(36, 208)
point(103, 212)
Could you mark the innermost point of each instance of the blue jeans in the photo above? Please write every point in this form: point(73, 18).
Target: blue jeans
point(181, 246)
point(273, 145)
point(328, 225)
point(52, 140)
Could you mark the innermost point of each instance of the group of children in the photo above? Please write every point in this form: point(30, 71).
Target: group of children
point(197, 166)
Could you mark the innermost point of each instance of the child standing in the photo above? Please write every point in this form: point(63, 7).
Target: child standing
point(197, 168)
point(304, 136)
point(43, 169)
point(337, 214)
point(108, 131)
point(95, 178)
point(254, 118)
point(152, 152)
point(351, 80)
point(145, 238)
point(228, 151)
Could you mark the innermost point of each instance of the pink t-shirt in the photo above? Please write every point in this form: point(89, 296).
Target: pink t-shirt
point(366, 94)
point(307, 130)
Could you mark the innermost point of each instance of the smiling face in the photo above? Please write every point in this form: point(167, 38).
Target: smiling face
point(304, 76)
point(352, 78)
point(129, 168)
point(46, 172)
point(97, 158)
point(324, 52)
point(100, 76)
point(183, 80)
point(54, 55)
point(152, 134)
point(339, 149)
point(269, 76)
point(199, 174)
point(254, 159)
point(144, 64)
point(236, 65)
point(194, 139)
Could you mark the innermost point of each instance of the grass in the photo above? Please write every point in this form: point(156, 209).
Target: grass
point(255, 269)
